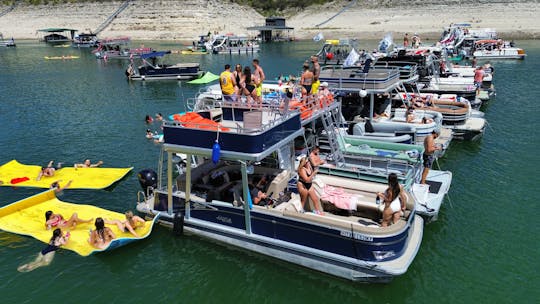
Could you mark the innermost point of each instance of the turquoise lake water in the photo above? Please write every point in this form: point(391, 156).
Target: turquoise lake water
point(485, 247)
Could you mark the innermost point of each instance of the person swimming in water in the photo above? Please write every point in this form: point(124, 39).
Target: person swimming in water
point(46, 255)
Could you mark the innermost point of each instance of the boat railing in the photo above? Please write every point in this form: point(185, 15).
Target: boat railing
point(271, 113)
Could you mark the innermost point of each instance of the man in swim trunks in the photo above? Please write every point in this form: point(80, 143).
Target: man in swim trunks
point(259, 77)
point(429, 148)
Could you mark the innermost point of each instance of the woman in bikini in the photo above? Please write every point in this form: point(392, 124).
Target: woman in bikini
point(305, 180)
point(131, 223)
point(46, 255)
point(237, 74)
point(248, 85)
point(102, 236)
point(394, 199)
point(57, 220)
point(306, 80)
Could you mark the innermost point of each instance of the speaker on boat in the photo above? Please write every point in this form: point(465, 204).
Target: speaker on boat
point(147, 178)
point(178, 224)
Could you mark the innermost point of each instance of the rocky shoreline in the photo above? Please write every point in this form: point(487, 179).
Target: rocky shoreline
point(185, 20)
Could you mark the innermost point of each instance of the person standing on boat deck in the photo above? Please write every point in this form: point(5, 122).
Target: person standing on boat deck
point(394, 199)
point(237, 74)
point(259, 77)
point(429, 148)
point(474, 61)
point(406, 40)
point(306, 80)
point(227, 84)
point(46, 255)
point(248, 85)
point(479, 75)
point(316, 74)
point(314, 159)
point(305, 183)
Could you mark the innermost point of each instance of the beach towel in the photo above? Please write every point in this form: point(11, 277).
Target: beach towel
point(339, 198)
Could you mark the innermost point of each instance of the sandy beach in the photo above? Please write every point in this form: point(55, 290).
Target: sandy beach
point(185, 20)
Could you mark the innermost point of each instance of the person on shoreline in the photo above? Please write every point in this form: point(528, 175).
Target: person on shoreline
point(48, 171)
point(88, 164)
point(429, 148)
point(46, 255)
point(57, 220)
point(102, 236)
point(259, 78)
point(227, 84)
point(131, 223)
point(394, 200)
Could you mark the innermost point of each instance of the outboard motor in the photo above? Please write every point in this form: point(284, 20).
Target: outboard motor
point(147, 178)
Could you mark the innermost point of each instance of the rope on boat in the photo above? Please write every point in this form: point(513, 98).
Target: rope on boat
point(338, 13)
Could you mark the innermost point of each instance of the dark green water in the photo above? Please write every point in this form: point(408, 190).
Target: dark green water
point(484, 248)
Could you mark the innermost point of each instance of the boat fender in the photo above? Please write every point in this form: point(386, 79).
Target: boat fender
point(178, 224)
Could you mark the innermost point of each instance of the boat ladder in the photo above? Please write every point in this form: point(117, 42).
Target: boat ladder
point(332, 132)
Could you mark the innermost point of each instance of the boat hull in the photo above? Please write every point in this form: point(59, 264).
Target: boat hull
point(327, 250)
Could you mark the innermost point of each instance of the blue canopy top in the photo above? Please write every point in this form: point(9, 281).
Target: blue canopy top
point(155, 54)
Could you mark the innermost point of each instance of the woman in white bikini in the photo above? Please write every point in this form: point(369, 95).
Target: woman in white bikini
point(394, 199)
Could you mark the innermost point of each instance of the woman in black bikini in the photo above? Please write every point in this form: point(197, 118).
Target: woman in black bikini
point(46, 255)
point(237, 74)
point(305, 180)
point(248, 85)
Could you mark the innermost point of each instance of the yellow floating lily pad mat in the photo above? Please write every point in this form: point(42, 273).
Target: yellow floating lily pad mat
point(27, 217)
point(15, 174)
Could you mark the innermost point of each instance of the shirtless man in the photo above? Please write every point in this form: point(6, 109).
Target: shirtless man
point(429, 148)
point(88, 164)
point(259, 77)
